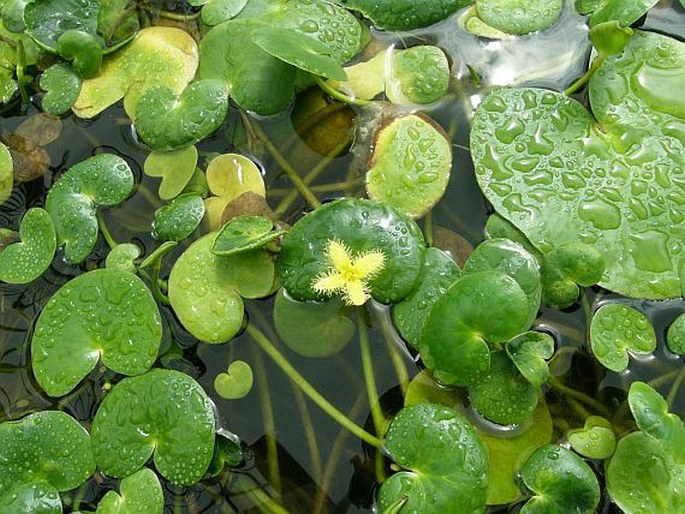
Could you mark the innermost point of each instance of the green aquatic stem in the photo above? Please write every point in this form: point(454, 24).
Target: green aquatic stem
point(259, 497)
point(320, 188)
point(379, 420)
point(557, 385)
point(294, 177)
point(309, 432)
point(675, 387)
point(596, 64)
point(106, 234)
point(287, 368)
point(428, 228)
point(337, 95)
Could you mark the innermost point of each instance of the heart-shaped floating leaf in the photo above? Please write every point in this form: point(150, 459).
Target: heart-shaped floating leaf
point(488, 306)
point(6, 173)
point(616, 330)
point(21, 263)
point(83, 50)
point(519, 16)
point(561, 481)
point(567, 267)
point(420, 75)
point(312, 329)
point(104, 313)
point(363, 228)
point(626, 13)
point(229, 176)
point(300, 50)
point(205, 289)
point(35, 497)
point(675, 336)
point(438, 273)
point(404, 14)
point(175, 167)
point(158, 56)
point(446, 462)
point(140, 492)
point(62, 87)
point(176, 221)
point(122, 256)
point(104, 179)
point(651, 414)
point(529, 353)
point(164, 412)
point(245, 233)
point(45, 447)
point(410, 166)
point(166, 121)
point(514, 260)
point(235, 384)
point(503, 395)
point(595, 440)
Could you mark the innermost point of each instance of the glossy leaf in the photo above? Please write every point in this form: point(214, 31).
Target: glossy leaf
point(36, 497)
point(104, 179)
point(651, 414)
point(561, 481)
point(164, 412)
point(567, 267)
point(103, 313)
point(83, 50)
point(519, 16)
point(596, 440)
point(529, 352)
point(362, 226)
point(6, 173)
point(404, 14)
point(617, 330)
point(217, 11)
point(410, 166)
point(410, 314)
point(205, 289)
point(626, 13)
point(175, 167)
point(609, 37)
point(177, 220)
point(503, 395)
point(418, 75)
point(312, 329)
point(675, 336)
point(481, 308)
point(44, 447)
point(245, 233)
point(62, 87)
point(445, 463)
point(140, 492)
point(235, 384)
point(25, 261)
point(122, 256)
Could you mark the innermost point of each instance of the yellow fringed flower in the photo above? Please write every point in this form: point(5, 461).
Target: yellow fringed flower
point(349, 275)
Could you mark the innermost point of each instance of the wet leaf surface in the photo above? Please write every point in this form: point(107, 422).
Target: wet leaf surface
point(23, 262)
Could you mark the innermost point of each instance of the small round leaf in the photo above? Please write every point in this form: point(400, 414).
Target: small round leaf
point(176, 168)
point(6, 173)
point(245, 233)
point(176, 221)
point(529, 352)
point(596, 440)
point(235, 384)
point(675, 336)
point(140, 492)
point(519, 16)
point(25, 261)
point(62, 87)
point(122, 256)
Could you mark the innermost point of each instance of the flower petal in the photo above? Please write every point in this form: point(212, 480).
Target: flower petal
point(355, 293)
point(369, 263)
point(330, 283)
point(339, 254)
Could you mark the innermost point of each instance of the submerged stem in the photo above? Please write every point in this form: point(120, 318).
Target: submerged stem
point(287, 368)
point(599, 60)
point(106, 234)
point(675, 387)
point(338, 95)
point(369, 378)
point(556, 384)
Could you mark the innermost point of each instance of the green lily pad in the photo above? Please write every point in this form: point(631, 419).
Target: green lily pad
point(175, 167)
point(176, 221)
point(48, 447)
point(410, 166)
point(158, 56)
point(545, 170)
point(35, 497)
point(419, 75)
point(404, 14)
point(122, 256)
point(626, 13)
point(567, 267)
point(503, 395)
point(104, 313)
point(675, 336)
point(104, 179)
point(410, 314)
point(514, 260)
point(445, 462)
point(166, 121)
point(164, 412)
point(529, 352)
point(519, 16)
point(23, 262)
point(235, 384)
point(312, 329)
point(300, 50)
point(497, 227)
point(245, 233)
point(62, 87)
point(561, 481)
point(596, 440)
point(205, 289)
point(616, 330)
point(362, 226)
point(481, 308)
point(6, 173)
point(650, 411)
point(140, 492)
point(83, 50)
point(217, 11)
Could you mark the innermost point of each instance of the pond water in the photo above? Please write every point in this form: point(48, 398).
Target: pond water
point(297, 456)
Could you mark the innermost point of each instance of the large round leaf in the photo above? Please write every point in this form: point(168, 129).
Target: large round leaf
point(488, 306)
point(362, 226)
point(445, 462)
point(33, 498)
point(25, 261)
point(49, 447)
point(104, 179)
point(519, 16)
point(105, 313)
point(164, 412)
